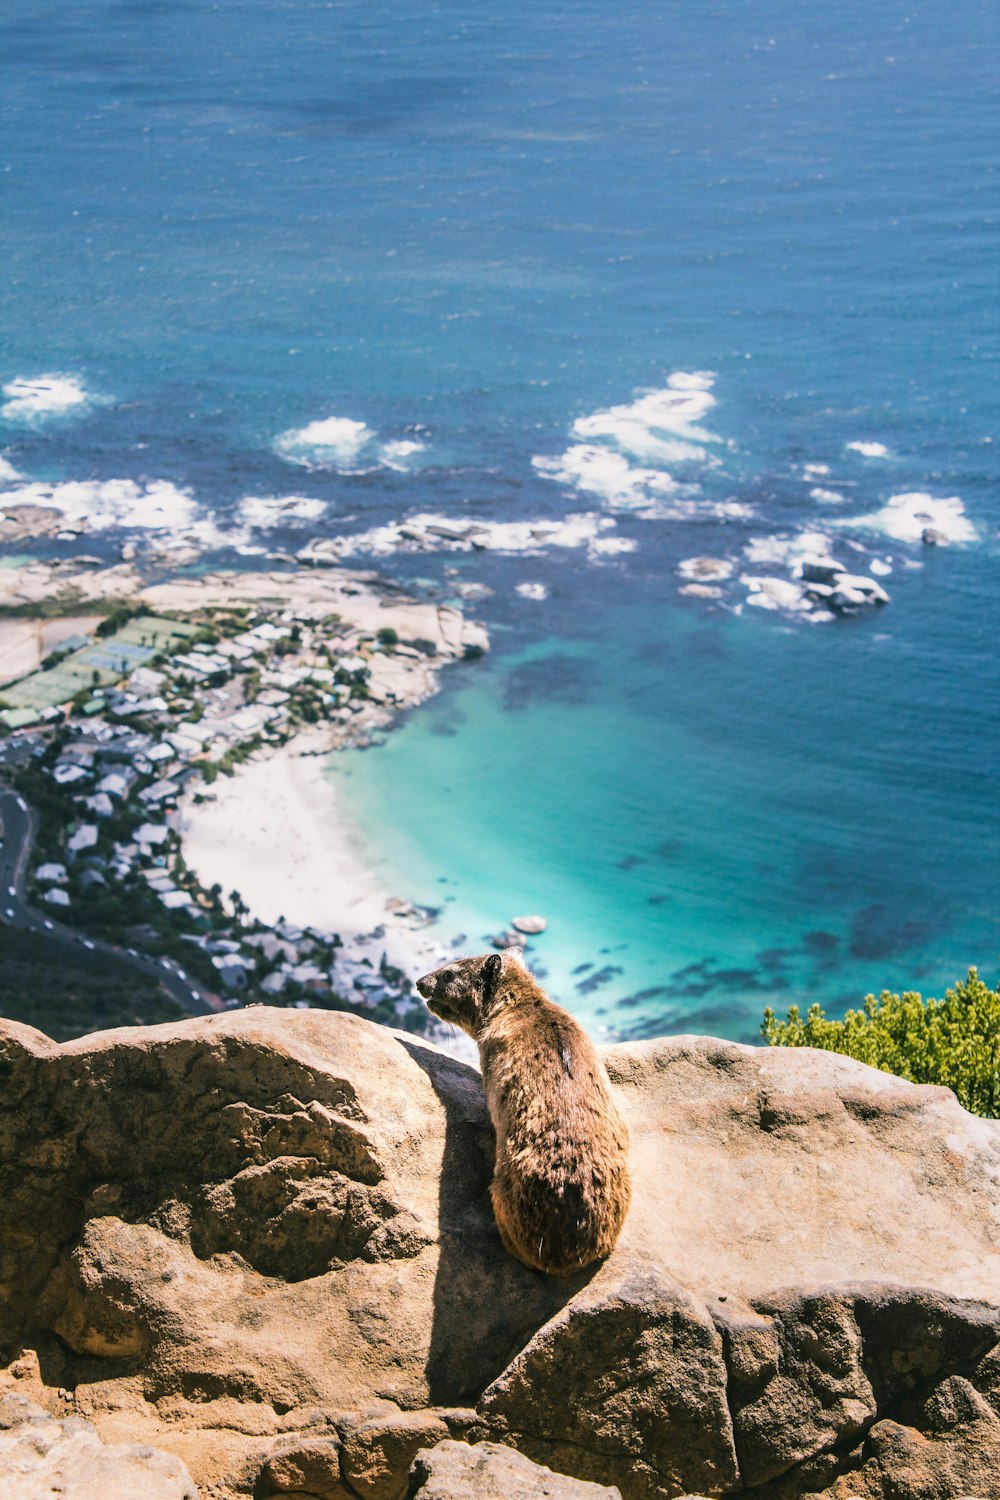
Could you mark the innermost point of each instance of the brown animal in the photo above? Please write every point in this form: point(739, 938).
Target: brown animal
point(561, 1187)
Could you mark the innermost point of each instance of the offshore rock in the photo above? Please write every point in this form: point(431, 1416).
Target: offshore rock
point(262, 1241)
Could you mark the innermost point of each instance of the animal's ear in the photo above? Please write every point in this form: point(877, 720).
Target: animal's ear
point(492, 969)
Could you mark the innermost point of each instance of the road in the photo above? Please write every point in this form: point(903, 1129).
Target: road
point(17, 822)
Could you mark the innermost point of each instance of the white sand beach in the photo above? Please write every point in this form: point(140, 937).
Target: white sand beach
point(277, 833)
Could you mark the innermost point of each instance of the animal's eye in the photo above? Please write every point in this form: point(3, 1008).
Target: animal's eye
point(448, 975)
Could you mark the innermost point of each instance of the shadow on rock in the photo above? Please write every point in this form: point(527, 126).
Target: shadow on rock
point(487, 1306)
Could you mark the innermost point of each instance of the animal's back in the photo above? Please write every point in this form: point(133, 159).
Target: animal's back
point(562, 1187)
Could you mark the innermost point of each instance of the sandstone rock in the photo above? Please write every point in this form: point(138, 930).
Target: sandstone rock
point(42, 1457)
point(263, 1242)
point(377, 1456)
point(309, 1466)
point(454, 1471)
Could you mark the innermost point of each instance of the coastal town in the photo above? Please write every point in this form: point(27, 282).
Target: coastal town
point(131, 726)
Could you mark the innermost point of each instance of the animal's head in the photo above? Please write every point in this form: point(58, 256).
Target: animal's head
point(463, 991)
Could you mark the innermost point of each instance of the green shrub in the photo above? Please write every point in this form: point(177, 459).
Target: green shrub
point(954, 1041)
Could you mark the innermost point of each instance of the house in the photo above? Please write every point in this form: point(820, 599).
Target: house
point(159, 791)
point(56, 897)
point(152, 833)
point(174, 899)
point(85, 837)
point(115, 784)
point(56, 874)
point(66, 772)
point(232, 970)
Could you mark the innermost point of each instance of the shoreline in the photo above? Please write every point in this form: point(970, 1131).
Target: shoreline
point(278, 833)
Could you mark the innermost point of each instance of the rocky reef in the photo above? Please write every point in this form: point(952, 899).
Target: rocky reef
point(261, 1243)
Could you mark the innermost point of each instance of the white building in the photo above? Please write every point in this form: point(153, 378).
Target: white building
point(85, 837)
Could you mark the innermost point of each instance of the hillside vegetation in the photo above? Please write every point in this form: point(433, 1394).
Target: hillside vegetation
point(954, 1041)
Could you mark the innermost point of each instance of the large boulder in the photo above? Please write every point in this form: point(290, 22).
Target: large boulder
point(42, 1458)
point(488, 1471)
point(263, 1242)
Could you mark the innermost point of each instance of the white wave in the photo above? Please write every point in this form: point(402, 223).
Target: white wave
point(879, 568)
point(610, 546)
point(603, 472)
point(776, 594)
point(705, 569)
point(786, 550)
point(826, 497)
point(692, 380)
point(44, 396)
point(815, 471)
point(536, 591)
point(100, 504)
point(206, 534)
point(276, 510)
point(627, 448)
point(906, 517)
point(638, 427)
point(428, 532)
point(8, 474)
point(328, 443)
point(395, 454)
point(868, 450)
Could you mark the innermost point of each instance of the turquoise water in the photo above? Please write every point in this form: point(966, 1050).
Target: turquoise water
point(470, 231)
point(696, 860)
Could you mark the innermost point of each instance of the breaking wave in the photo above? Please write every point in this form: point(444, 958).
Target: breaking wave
point(346, 445)
point(34, 399)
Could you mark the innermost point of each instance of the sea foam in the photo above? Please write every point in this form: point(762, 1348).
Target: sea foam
point(100, 504)
point(395, 454)
point(346, 445)
point(329, 443)
point(625, 449)
point(277, 510)
point(868, 450)
point(905, 518)
point(428, 532)
point(31, 400)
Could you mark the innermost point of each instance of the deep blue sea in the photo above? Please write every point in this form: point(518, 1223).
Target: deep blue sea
point(722, 278)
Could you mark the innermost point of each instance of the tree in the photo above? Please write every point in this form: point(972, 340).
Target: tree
point(954, 1041)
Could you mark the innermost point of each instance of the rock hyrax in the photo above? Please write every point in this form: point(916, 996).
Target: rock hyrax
point(561, 1187)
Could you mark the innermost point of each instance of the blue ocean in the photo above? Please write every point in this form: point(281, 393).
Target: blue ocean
point(663, 283)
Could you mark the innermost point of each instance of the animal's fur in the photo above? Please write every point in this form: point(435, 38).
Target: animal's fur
point(561, 1187)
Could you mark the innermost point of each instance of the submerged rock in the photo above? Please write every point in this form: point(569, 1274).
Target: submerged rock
point(263, 1242)
point(529, 925)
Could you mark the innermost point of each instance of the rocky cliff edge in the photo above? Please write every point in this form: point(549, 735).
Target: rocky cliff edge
point(263, 1243)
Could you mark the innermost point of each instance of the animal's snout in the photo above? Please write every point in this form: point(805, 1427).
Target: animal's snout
point(425, 986)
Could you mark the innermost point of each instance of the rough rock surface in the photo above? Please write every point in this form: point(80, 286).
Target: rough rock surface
point(263, 1242)
point(41, 1457)
point(488, 1471)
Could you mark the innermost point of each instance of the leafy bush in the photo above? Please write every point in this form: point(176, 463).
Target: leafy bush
point(954, 1041)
